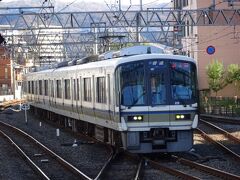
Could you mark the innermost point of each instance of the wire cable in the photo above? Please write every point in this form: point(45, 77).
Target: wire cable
point(206, 41)
point(67, 6)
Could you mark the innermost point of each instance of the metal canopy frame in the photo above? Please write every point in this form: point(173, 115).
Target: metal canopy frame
point(80, 31)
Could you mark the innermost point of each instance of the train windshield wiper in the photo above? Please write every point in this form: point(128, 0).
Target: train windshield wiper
point(136, 100)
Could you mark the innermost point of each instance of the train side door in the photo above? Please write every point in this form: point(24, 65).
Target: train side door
point(158, 109)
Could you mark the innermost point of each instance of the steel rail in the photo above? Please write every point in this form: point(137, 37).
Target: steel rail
point(230, 136)
point(208, 169)
point(228, 120)
point(171, 171)
point(25, 157)
point(106, 165)
point(235, 155)
point(139, 173)
point(114, 154)
point(62, 161)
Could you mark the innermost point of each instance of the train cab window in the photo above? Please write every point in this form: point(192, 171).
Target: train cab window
point(40, 87)
point(101, 90)
point(59, 89)
point(87, 95)
point(46, 87)
point(183, 82)
point(157, 82)
point(158, 88)
point(132, 84)
point(67, 88)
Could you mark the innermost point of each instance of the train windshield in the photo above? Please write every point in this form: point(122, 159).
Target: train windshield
point(156, 82)
point(183, 82)
point(132, 84)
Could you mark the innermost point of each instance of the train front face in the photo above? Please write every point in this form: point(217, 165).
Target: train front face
point(158, 104)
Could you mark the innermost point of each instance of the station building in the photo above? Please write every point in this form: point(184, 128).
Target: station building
point(5, 72)
point(225, 40)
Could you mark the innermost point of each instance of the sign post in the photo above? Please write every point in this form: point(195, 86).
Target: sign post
point(25, 107)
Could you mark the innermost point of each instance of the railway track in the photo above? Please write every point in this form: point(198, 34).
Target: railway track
point(222, 138)
point(44, 161)
point(186, 169)
point(128, 166)
point(228, 120)
point(206, 169)
point(174, 172)
point(121, 166)
point(125, 166)
point(222, 131)
point(35, 168)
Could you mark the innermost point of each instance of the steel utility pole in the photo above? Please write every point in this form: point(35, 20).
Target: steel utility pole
point(141, 5)
point(213, 4)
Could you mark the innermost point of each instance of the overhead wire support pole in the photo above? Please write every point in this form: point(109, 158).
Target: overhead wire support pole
point(213, 4)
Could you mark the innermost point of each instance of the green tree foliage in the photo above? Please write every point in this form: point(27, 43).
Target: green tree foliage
point(215, 72)
point(233, 75)
point(218, 78)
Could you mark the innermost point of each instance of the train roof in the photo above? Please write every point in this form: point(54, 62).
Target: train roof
point(117, 61)
point(114, 59)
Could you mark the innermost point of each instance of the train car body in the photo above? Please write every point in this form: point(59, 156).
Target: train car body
point(146, 102)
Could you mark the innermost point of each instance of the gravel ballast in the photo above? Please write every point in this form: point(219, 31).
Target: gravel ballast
point(87, 157)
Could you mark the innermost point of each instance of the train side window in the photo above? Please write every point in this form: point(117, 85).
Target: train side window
point(59, 89)
point(109, 88)
point(87, 96)
point(36, 87)
point(67, 89)
point(52, 88)
point(40, 87)
point(32, 87)
point(101, 90)
point(76, 89)
point(46, 87)
point(29, 87)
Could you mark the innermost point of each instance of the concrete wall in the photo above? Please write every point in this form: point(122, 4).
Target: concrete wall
point(225, 39)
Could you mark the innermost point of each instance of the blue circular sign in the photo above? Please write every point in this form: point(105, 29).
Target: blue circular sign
point(211, 50)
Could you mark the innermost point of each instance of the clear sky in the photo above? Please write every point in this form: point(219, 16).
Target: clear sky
point(134, 2)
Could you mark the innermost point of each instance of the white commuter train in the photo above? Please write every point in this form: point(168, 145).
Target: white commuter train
point(143, 100)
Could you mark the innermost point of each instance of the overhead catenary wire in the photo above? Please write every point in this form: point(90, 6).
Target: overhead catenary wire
point(210, 40)
point(67, 6)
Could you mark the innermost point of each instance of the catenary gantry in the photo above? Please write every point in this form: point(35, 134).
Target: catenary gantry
point(79, 31)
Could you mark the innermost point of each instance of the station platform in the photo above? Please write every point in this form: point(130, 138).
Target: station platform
point(6, 104)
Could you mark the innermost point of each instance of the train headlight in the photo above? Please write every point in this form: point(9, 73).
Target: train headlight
point(135, 118)
point(182, 116)
point(178, 116)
